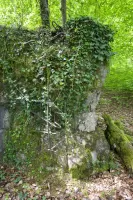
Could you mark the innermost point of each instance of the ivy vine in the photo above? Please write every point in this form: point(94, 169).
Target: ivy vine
point(61, 72)
point(46, 79)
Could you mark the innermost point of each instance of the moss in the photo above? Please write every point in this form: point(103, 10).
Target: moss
point(100, 166)
point(92, 138)
point(130, 138)
point(119, 142)
point(126, 131)
point(107, 164)
point(119, 124)
point(44, 165)
point(24, 147)
point(83, 170)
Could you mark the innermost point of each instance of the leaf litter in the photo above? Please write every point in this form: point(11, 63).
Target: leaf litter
point(104, 186)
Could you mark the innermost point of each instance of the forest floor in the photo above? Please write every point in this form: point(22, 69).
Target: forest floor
point(119, 106)
point(114, 185)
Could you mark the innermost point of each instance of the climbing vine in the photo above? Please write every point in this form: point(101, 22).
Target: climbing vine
point(61, 71)
point(47, 77)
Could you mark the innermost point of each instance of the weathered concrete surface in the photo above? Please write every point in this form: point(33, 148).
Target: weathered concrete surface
point(87, 121)
point(4, 124)
point(89, 135)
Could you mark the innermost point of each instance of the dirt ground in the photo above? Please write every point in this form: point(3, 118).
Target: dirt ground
point(119, 106)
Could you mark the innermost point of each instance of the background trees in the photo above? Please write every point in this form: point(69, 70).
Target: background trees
point(44, 10)
point(63, 11)
point(45, 16)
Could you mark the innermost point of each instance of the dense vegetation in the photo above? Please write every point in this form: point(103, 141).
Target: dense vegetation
point(116, 13)
point(47, 73)
point(47, 81)
point(51, 58)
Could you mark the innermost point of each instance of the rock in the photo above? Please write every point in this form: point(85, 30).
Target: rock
point(87, 122)
point(9, 186)
point(76, 189)
point(94, 156)
point(20, 182)
point(48, 194)
point(79, 161)
point(93, 99)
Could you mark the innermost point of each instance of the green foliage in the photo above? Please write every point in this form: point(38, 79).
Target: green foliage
point(116, 13)
point(91, 37)
point(20, 13)
point(47, 81)
point(2, 175)
point(123, 75)
point(112, 12)
point(22, 195)
point(64, 72)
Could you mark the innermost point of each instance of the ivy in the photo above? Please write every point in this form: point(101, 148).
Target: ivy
point(63, 71)
point(46, 79)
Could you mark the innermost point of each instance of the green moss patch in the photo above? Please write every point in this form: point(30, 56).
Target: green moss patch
point(119, 142)
point(84, 169)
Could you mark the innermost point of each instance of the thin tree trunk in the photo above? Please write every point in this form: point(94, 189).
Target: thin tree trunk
point(63, 11)
point(44, 8)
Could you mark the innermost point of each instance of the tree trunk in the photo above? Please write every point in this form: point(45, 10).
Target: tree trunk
point(63, 11)
point(44, 9)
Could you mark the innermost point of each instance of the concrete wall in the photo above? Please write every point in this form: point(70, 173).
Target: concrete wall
point(4, 124)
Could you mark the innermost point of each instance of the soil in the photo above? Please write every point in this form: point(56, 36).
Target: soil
point(119, 106)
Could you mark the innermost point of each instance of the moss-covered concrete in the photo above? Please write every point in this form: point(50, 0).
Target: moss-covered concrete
point(83, 169)
point(119, 142)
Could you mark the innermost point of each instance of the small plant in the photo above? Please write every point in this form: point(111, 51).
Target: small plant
point(108, 195)
point(2, 175)
point(17, 179)
point(22, 196)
